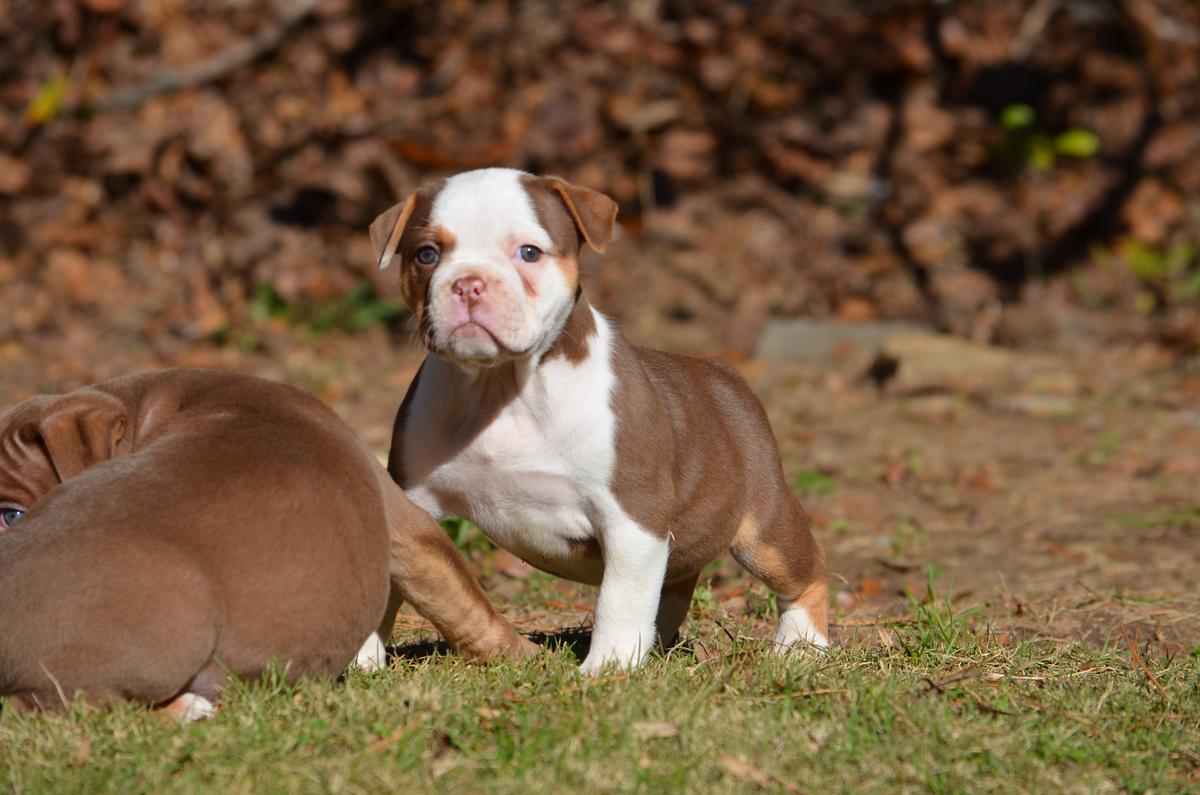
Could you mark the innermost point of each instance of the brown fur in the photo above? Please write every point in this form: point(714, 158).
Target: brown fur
point(218, 523)
point(399, 232)
point(696, 458)
point(572, 342)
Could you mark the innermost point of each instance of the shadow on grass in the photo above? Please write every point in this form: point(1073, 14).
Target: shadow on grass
point(577, 639)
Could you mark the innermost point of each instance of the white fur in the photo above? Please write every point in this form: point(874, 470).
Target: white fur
point(538, 475)
point(796, 628)
point(635, 563)
point(194, 707)
point(372, 656)
point(486, 244)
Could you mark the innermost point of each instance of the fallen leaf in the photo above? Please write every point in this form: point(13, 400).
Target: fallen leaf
point(511, 566)
point(14, 175)
point(82, 751)
point(870, 588)
point(752, 775)
point(895, 473)
point(650, 729)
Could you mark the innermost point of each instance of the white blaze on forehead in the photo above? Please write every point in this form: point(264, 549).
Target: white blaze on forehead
point(489, 213)
point(485, 209)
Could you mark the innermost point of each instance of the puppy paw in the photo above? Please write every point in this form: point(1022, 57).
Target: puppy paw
point(797, 632)
point(372, 656)
point(522, 649)
point(614, 656)
point(189, 707)
point(594, 665)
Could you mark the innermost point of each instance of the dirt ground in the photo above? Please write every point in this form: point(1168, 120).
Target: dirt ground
point(1059, 498)
point(1066, 520)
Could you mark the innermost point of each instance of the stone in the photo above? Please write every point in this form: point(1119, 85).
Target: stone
point(926, 362)
point(802, 339)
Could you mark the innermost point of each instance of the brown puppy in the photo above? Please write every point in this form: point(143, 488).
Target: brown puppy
point(587, 456)
point(162, 531)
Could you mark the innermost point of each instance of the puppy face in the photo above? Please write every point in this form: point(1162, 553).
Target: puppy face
point(46, 440)
point(489, 259)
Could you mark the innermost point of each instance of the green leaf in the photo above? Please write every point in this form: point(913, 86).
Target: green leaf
point(1018, 116)
point(1179, 258)
point(44, 107)
point(1190, 288)
point(1077, 142)
point(1041, 153)
point(266, 303)
point(1144, 262)
point(1145, 302)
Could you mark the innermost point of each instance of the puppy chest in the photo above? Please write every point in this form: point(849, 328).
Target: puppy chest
point(530, 491)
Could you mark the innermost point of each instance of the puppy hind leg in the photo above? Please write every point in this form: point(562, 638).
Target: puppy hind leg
point(804, 619)
point(673, 605)
point(785, 556)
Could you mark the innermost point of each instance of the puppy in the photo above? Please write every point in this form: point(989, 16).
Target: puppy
point(163, 531)
point(588, 457)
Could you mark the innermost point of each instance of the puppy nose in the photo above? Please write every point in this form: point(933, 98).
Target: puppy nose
point(469, 288)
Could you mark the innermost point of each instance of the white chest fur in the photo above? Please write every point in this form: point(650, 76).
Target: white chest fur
point(533, 469)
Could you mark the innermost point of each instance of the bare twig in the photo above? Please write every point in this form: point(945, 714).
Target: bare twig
point(215, 67)
point(822, 691)
point(1137, 659)
point(1162, 25)
point(873, 622)
point(1032, 25)
point(58, 688)
point(383, 743)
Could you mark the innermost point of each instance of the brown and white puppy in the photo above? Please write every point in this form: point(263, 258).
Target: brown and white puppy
point(590, 458)
point(162, 531)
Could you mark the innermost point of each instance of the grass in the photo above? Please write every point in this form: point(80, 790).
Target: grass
point(813, 482)
point(1185, 518)
point(934, 705)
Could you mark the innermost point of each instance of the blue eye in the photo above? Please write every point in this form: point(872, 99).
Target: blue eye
point(10, 515)
point(529, 253)
point(427, 255)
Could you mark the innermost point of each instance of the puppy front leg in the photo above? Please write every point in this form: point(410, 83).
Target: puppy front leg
point(430, 573)
point(635, 563)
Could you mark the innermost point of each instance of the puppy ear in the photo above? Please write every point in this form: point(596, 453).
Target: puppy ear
point(78, 430)
point(594, 213)
point(388, 228)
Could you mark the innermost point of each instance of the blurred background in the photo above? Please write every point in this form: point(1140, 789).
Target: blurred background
point(952, 245)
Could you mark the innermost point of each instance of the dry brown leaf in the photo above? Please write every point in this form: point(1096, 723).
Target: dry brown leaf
point(650, 729)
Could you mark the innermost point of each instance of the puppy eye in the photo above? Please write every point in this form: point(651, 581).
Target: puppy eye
point(10, 515)
point(529, 253)
point(427, 256)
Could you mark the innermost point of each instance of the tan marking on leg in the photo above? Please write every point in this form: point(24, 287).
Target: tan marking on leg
point(815, 599)
point(795, 572)
point(773, 569)
point(432, 576)
point(747, 532)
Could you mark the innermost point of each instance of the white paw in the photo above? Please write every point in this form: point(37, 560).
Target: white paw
point(797, 631)
point(192, 707)
point(615, 654)
point(372, 656)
